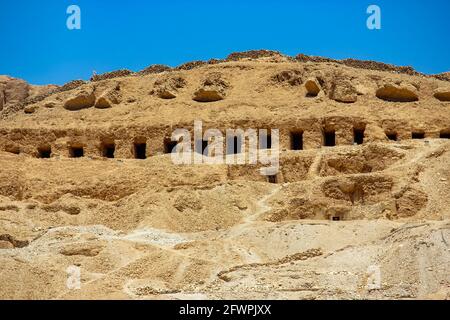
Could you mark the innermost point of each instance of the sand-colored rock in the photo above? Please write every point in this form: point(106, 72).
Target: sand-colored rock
point(342, 90)
point(312, 87)
point(362, 187)
point(167, 86)
point(82, 99)
point(398, 93)
point(213, 88)
point(442, 94)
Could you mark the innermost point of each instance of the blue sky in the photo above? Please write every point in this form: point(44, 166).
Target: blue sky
point(37, 46)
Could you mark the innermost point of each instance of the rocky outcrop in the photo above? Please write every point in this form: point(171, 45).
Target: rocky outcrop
point(442, 94)
point(155, 68)
point(191, 65)
point(312, 87)
point(13, 93)
point(342, 90)
point(167, 87)
point(111, 75)
point(398, 93)
point(252, 54)
point(213, 88)
point(80, 100)
point(109, 98)
point(290, 77)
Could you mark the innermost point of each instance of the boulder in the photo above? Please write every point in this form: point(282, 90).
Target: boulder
point(167, 86)
point(29, 109)
point(398, 93)
point(213, 88)
point(80, 100)
point(312, 87)
point(442, 94)
point(343, 91)
point(108, 99)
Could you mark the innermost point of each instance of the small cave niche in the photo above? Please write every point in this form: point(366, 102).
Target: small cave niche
point(297, 140)
point(44, 152)
point(201, 147)
point(108, 149)
point(418, 135)
point(392, 135)
point(234, 144)
point(329, 138)
point(169, 146)
point(265, 141)
point(272, 178)
point(444, 134)
point(140, 149)
point(76, 151)
point(358, 135)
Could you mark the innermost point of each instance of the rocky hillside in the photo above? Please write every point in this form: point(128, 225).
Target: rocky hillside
point(359, 208)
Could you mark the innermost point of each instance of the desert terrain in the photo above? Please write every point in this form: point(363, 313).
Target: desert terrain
point(359, 209)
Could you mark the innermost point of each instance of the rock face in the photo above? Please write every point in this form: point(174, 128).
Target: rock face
point(167, 87)
point(2, 100)
point(442, 94)
point(361, 182)
point(312, 87)
point(398, 93)
point(82, 99)
point(290, 77)
point(13, 92)
point(343, 91)
point(213, 88)
point(109, 98)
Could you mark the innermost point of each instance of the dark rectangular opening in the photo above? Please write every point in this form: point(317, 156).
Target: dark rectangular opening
point(76, 152)
point(336, 218)
point(391, 136)
point(169, 146)
point(109, 150)
point(329, 138)
point(418, 135)
point(272, 179)
point(358, 136)
point(201, 147)
point(296, 140)
point(234, 144)
point(44, 153)
point(265, 141)
point(444, 135)
point(140, 151)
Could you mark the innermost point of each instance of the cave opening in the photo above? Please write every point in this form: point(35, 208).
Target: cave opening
point(358, 136)
point(297, 140)
point(44, 152)
point(76, 152)
point(108, 150)
point(329, 138)
point(140, 150)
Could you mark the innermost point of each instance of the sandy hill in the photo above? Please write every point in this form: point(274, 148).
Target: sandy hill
point(358, 209)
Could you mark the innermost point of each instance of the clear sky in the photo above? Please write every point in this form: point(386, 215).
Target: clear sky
point(36, 45)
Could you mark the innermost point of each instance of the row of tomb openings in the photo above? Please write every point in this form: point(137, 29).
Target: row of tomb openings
point(233, 144)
